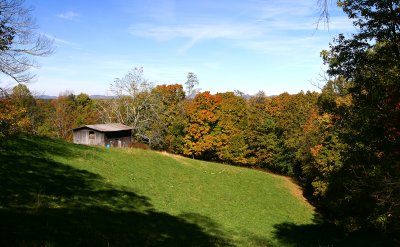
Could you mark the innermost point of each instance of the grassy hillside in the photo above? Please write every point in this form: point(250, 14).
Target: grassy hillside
point(55, 193)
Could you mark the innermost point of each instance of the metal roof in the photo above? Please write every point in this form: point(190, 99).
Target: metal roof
point(106, 127)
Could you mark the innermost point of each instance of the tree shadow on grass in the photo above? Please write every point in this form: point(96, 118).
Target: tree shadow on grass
point(324, 234)
point(47, 203)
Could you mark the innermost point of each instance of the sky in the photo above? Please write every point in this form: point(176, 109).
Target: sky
point(250, 46)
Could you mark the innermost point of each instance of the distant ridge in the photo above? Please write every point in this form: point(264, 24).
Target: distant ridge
point(99, 96)
point(45, 97)
point(96, 96)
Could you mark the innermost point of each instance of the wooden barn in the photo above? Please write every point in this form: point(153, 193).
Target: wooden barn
point(113, 134)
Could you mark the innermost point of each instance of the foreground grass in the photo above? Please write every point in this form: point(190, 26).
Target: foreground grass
point(55, 193)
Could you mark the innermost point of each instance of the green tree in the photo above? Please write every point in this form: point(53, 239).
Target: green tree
point(22, 96)
point(170, 107)
point(289, 114)
point(261, 137)
point(7, 35)
point(85, 110)
point(365, 191)
point(45, 115)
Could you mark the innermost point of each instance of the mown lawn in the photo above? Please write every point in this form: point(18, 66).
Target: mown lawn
point(53, 193)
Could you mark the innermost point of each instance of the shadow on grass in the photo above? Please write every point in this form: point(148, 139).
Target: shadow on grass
point(46, 203)
point(324, 234)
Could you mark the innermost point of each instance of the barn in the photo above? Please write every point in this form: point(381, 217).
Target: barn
point(113, 134)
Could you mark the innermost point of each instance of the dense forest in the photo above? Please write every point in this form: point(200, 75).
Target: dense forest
point(342, 145)
point(259, 131)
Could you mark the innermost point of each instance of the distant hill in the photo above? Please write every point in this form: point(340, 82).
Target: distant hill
point(96, 96)
point(101, 96)
point(45, 97)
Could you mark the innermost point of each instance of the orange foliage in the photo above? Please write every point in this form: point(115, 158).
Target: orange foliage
point(315, 150)
point(202, 118)
point(13, 118)
point(170, 95)
point(310, 124)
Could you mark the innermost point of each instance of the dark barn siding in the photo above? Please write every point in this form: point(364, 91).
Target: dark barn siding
point(119, 138)
point(96, 136)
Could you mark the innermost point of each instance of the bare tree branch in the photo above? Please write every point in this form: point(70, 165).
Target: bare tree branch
point(323, 9)
point(19, 41)
point(133, 105)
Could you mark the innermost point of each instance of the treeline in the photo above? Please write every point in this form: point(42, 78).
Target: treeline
point(258, 131)
point(21, 112)
point(274, 133)
point(319, 139)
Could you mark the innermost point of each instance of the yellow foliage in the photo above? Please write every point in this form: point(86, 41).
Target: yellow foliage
point(344, 101)
point(13, 119)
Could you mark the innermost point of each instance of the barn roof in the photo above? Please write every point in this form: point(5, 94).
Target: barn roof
point(105, 127)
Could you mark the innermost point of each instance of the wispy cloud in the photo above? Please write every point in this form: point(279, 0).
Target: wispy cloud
point(198, 32)
point(59, 41)
point(69, 15)
point(195, 31)
point(262, 23)
point(258, 37)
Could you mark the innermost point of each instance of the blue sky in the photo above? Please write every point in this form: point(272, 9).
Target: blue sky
point(269, 45)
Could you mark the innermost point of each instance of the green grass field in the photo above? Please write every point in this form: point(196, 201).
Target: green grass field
point(54, 193)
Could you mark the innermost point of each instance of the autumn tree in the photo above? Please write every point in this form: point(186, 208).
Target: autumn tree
point(200, 139)
point(57, 117)
point(364, 188)
point(63, 115)
point(13, 118)
point(215, 128)
point(23, 99)
point(229, 132)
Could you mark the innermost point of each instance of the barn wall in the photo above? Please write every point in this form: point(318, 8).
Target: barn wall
point(115, 139)
point(81, 137)
point(100, 139)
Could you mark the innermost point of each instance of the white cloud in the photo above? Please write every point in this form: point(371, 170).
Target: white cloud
point(259, 37)
point(262, 23)
point(59, 41)
point(195, 31)
point(198, 32)
point(69, 15)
